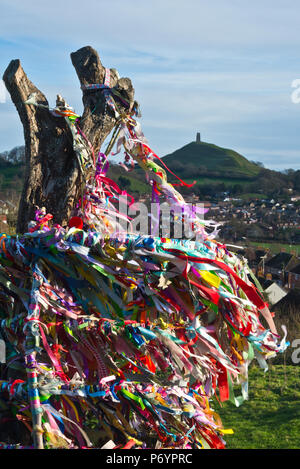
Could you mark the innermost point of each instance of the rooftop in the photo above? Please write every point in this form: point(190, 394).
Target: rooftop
point(279, 261)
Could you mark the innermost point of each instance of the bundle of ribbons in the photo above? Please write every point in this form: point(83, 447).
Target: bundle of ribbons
point(122, 340)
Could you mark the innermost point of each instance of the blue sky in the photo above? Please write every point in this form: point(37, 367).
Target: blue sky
point(221, 67)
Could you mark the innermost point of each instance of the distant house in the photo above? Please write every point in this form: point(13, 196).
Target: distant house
point(256, 260)
point(275, 293)
point(278, 266)
point(294, 277)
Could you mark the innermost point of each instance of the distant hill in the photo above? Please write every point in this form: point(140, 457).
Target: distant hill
point(12, 169)
point(203, 159)
point(215, 169)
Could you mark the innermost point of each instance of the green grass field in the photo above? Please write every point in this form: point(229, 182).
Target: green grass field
point(277, 247)
point(218, 180)
point(270, 419)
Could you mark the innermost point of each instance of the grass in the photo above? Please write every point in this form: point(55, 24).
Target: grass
point(270, 419)
point(217, 180)
point(136, 179)
point(277, 247)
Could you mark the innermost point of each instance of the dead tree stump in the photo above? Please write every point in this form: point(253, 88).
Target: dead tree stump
point(52, 176)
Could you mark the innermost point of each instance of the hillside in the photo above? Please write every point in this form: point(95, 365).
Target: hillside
point(215, 169)
point(205, 159)
point(11, 173)
point(133, 182)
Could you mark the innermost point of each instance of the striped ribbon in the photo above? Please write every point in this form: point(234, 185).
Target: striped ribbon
point(107, 90)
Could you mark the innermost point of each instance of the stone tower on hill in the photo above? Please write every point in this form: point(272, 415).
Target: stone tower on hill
point(198, 137)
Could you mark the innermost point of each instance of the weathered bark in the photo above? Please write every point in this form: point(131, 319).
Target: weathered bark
point(52, 177)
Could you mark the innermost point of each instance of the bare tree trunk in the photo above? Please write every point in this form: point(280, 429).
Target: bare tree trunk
point(52, 177)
